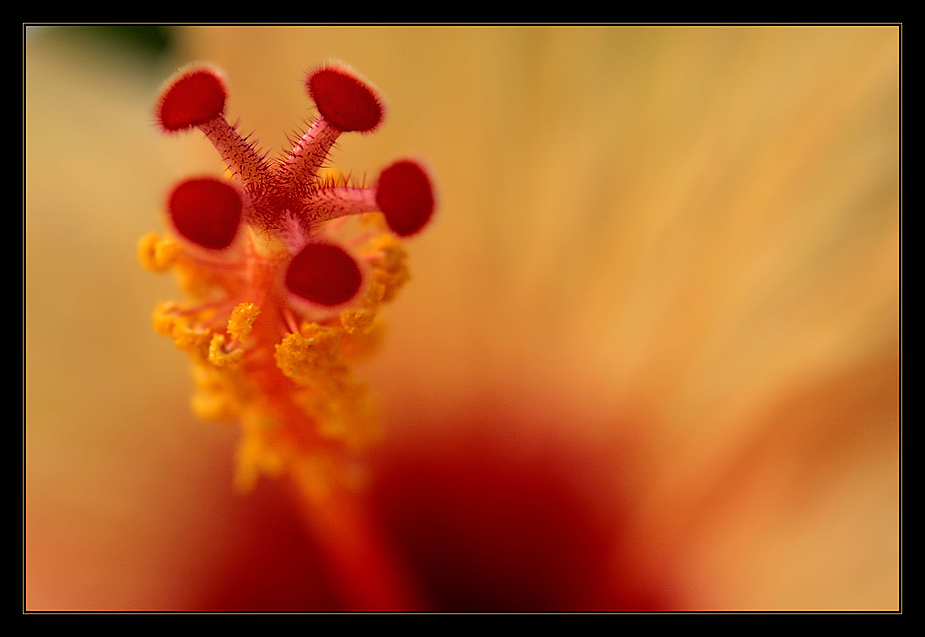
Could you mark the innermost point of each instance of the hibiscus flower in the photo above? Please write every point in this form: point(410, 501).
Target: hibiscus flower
point(647, 358)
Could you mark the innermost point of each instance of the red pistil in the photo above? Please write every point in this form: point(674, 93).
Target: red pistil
point(289, 199)
point(324, 274)
point(287, 278)
point(193, 99)
point(344, 100)
point(405, 197)
point(206, 211)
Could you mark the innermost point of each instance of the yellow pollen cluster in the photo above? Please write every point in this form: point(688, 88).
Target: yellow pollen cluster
point(293, 391)
point(157, 254)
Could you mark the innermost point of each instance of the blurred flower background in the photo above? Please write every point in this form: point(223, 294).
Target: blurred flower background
point(649, 358)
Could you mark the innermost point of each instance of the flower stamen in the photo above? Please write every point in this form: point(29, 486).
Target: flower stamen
point(283, 297)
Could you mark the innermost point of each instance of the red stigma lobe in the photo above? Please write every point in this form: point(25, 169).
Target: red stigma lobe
point(324, 274)
point(206, 211)
point(344, 101)
point(405, 196)
point(193, 99)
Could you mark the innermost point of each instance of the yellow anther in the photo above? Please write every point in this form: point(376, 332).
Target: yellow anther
point(217, 354)
point(164, 318)
point(390, 268)
point(357, 320)
point(188, 338)
point(168, 322)
point(314, 347)
point(242, 320)
point(157, 254)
